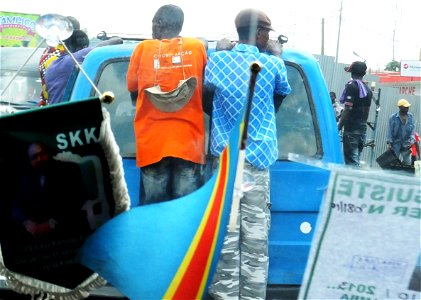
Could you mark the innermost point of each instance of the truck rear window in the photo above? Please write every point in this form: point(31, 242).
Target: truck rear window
point(295, 127)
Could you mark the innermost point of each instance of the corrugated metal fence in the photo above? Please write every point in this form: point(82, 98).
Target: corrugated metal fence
point(336, 78)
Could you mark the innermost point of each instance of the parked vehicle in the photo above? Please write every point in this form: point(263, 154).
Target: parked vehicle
point(24, 90)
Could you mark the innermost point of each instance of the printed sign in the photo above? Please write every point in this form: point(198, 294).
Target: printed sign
point(56, 191)
point(18, 30)
point(367, 244)
point(411, 68)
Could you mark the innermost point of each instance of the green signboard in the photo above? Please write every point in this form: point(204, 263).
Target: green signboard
point(18, 30)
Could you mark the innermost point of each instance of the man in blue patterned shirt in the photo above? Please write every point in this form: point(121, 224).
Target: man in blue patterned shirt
point(226, 78)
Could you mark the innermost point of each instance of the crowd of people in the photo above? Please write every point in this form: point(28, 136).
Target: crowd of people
point(173, 81)
point(172, 165)
point(185, 155)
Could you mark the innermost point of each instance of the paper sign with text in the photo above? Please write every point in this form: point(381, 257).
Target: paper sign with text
point(367, 243)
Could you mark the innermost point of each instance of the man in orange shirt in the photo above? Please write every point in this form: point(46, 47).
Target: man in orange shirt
point(164, 79)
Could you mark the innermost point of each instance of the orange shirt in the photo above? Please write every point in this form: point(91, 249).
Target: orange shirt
point(160, 134)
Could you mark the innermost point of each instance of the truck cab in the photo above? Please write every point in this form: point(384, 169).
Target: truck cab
point(306, 131)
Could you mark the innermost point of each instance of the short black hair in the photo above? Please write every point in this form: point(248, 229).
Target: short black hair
point(171, 17)
point(244, 33)
point(77, 41)
point(75, 22)
point(357, 68)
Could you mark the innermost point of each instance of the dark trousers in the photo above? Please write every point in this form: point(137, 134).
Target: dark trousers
point(353, 145)
point(168, 179)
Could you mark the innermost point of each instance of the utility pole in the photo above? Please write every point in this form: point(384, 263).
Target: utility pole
point(394, 33)
point(323, 37)
point(339, 33)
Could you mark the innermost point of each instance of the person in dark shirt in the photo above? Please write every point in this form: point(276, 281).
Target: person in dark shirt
point(48, 221)
point(48, 56)
point(356, 99)
point(50, 195)
point(62, 72)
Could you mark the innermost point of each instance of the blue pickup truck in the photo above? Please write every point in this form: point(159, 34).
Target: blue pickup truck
point(306, 129)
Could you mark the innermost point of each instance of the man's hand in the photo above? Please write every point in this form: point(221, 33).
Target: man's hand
point(274, 48)
point(224, 44)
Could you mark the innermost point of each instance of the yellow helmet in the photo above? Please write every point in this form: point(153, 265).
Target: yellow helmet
point(404, 103)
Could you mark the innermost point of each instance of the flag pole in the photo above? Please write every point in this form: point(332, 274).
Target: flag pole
point(255, 68)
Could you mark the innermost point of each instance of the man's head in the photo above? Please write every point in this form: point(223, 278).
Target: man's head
point(38, 155)
point(77, 41)
point(403, 105)
point(167, 22)
point(75, 22)
point(253, 27)
point(357, 68)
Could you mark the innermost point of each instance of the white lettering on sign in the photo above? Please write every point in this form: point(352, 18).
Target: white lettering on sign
point(76, 138)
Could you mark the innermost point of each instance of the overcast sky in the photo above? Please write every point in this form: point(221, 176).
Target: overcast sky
point(377, 30)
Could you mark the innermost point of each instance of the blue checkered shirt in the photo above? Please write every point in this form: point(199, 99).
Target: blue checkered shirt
point(228, 73)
